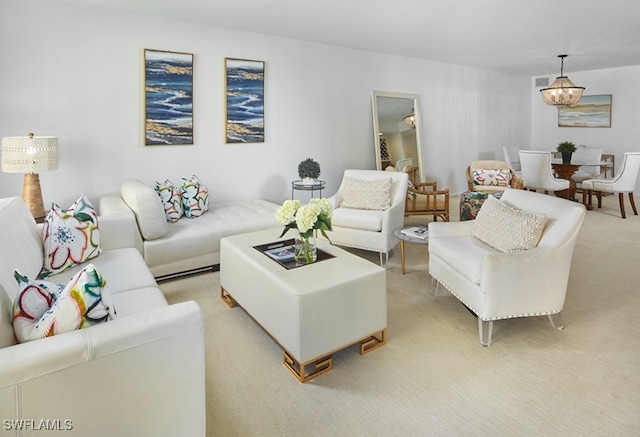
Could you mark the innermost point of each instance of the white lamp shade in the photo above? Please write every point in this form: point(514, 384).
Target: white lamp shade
point(29, 154)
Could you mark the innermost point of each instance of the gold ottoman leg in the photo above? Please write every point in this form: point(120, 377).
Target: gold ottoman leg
point(226, 298)
point(321, 365)
point(377, 340)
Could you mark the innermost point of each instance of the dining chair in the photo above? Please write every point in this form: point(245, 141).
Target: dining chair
point(624, 182)
point(589, 160)
point(513, 159)
point(537, 173)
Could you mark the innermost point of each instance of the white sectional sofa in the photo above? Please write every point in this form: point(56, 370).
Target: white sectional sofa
point(139, 374)
point(190, 244)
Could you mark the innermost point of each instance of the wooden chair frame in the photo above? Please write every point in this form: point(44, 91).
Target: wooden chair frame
point(436, 202)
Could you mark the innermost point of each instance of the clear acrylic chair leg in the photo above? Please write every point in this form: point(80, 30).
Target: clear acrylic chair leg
point(556, 321)
point(384, 260)
point(485, 329)
point(433, 289)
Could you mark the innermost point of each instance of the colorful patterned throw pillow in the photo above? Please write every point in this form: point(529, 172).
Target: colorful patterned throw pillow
point(171, 197)
point(498, 177)
point(43, 309)
point(195, 197)
point(70, 237)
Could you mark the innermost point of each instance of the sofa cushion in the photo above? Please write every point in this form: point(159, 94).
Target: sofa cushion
point(124, 268)
point(21, 248)
point(357, 219)
point(134, 302)
point(373, 194)
point(171, 198)
point(147, 207)
point(70, 236)
point(21, 245)
point(42, 311)
point(465, 254)
point(507, 229)
point(195, 197)
point(196, 243)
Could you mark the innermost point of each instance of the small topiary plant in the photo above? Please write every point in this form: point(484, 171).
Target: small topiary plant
point(566, 146)
point(309, 169)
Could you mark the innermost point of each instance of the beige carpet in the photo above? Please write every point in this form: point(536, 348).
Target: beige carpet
point(433, 377)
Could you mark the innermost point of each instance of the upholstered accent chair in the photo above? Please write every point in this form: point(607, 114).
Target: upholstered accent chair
point(624, 182)
point(367, 208)
point(519, 281)
point(537, 173)
point(490, 176)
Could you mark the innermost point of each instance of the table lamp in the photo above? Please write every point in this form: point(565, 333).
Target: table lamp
point(30, 155)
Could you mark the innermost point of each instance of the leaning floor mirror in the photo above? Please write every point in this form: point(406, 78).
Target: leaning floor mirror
point(397, 132)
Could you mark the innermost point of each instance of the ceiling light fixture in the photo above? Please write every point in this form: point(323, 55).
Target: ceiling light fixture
point(562, 91)
point(410, 119)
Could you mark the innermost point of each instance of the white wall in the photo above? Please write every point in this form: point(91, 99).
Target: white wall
point(75, 71)
point(624, 133)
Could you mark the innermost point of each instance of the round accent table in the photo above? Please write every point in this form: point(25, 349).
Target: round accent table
point(405, 237)
point(313, 186)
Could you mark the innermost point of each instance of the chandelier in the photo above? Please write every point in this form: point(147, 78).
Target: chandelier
point(410, 119)
point(562, 91)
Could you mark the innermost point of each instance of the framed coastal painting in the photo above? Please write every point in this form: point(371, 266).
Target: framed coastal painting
point(590, 111)
point(168, 97)
point(244, 101)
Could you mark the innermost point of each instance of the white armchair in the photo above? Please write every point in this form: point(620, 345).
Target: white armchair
point(500, 285)
point(369, 229)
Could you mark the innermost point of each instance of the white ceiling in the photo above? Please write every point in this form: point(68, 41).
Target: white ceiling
point(512, 36)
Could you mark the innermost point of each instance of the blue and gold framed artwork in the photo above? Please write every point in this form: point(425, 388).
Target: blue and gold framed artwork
point(168, 96)
point(590, 111)
point(244, 101)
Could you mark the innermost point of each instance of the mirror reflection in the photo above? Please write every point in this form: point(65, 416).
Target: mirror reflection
point(396, 125)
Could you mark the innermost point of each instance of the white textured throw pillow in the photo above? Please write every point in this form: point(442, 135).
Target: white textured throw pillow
point(147, 207)
point(507, 229)
point(366, 194)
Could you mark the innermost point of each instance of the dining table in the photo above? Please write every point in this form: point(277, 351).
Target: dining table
point(566, 171)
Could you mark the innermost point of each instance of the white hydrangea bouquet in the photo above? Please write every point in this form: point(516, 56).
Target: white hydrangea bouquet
point(316, 215)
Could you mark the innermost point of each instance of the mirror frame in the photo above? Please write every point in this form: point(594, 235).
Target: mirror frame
point(376, 126)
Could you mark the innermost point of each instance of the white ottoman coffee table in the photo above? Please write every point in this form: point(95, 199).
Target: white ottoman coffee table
point(311, 311)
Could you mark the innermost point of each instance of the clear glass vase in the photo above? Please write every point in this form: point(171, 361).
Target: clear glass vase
point(305, 249)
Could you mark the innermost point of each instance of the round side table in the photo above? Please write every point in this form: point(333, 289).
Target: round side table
point(299, 185)
point(408, 239)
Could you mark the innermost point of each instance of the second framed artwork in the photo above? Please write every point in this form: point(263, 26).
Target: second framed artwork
point(244, 101)
point(590, 111)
